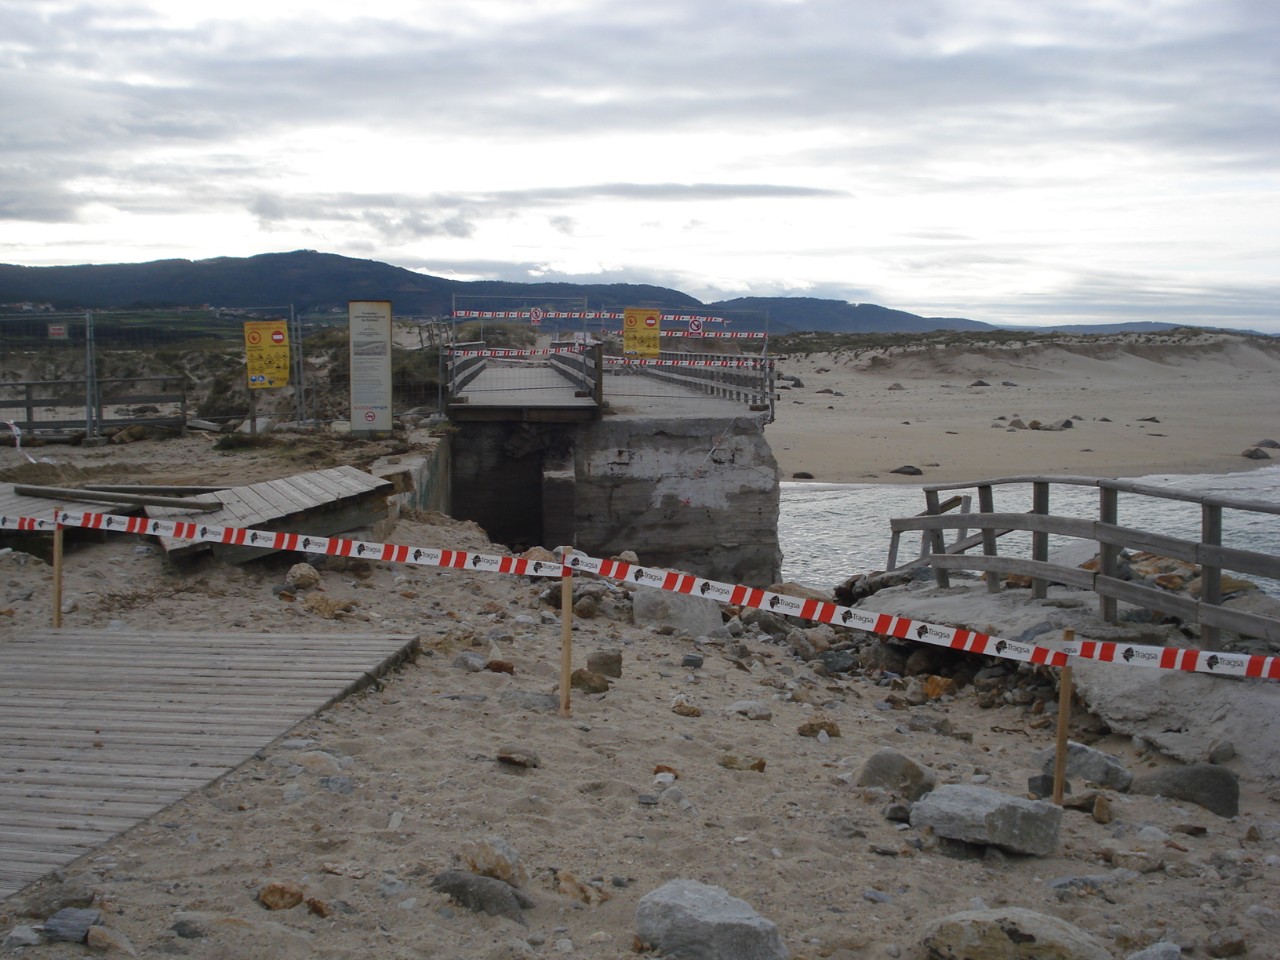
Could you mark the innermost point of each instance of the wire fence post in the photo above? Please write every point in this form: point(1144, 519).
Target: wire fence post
point(299, 367)
point(566, 631)
point(1064, 722)
point(57, 576)
point(90, 379)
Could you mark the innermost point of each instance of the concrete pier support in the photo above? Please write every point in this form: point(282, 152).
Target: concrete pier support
point(699, 494)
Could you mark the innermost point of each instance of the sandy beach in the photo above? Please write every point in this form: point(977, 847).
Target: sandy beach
point(774, 817)
point(1143, 408)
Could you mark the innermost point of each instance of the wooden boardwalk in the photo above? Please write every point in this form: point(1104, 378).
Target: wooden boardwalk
point(322, 503)
point(100, 730)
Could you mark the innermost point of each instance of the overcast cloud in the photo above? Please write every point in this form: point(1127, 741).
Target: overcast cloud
point(1086, 160)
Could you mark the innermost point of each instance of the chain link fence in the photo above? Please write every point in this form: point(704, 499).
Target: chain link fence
point(90, 373)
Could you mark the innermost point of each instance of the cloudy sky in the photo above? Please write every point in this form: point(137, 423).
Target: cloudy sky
point(1006, 160)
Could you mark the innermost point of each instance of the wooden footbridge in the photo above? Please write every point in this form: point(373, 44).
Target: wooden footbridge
point(100, 729)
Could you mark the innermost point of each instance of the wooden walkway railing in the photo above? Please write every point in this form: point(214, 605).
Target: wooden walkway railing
point(1208, 551)
point(65, 405)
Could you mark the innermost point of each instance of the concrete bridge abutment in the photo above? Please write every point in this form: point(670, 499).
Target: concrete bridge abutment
point(699, 494)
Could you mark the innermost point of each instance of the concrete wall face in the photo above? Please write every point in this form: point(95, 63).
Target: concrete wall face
point(497, 477)
point(698, 495)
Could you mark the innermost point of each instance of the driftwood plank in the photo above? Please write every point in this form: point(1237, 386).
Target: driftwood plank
point(101, 496)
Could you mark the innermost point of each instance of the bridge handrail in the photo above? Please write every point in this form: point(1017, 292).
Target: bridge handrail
point(736, 377)
point(462, 370)
point(1208, 552)
point(583, 368)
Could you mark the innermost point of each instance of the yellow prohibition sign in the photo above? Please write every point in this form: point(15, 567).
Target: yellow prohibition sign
point(266, 345)
point(641, 331)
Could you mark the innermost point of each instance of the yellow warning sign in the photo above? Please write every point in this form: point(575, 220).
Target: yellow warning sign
point(266, 350)
point(642, 332)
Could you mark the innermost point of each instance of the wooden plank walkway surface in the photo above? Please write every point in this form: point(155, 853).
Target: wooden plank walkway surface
point(322, 503)
point(100, 730)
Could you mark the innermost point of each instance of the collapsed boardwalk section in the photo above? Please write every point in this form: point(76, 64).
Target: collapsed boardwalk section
point(100, 730)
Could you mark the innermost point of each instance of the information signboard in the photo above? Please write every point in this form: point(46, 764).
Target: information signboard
point(266, 352)
point(370, 322)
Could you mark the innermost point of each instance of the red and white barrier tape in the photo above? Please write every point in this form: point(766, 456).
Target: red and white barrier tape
point(570, 315)
point(704, 335)
point(641, 362)
point(17, 440)
point(868, 621)
point(547, 351)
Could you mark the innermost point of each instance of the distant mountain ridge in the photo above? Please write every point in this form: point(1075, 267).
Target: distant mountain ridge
point(314, 281)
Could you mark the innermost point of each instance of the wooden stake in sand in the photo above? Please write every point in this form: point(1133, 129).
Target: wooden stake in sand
point(1064, 720)
point(57, 576)
point(566, 632)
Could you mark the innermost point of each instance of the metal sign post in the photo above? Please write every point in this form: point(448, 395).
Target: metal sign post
point(90, 380)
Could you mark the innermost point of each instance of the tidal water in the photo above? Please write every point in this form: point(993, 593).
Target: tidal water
point(831, 531)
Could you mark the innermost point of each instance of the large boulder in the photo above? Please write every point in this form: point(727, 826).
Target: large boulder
point(695, 616)
point(896, 771)
point(981, 815)
point(1214, 788)
point(1089, 764)
point(483, 894)
point(694, 921)
point(1187, 715)
point(1009, 933)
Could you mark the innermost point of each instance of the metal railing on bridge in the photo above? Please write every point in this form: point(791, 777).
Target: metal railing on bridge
point(746, 380)
point(548, 377)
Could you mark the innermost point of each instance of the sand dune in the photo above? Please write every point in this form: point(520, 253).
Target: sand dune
point(1212, 395)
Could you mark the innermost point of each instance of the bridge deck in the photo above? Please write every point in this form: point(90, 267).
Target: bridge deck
point(101, 729)
point(524, 393)
point(541, 394)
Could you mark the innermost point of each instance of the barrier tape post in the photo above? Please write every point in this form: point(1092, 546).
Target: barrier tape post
point(566, 631)
point(1064, 720)
point(57, 576)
